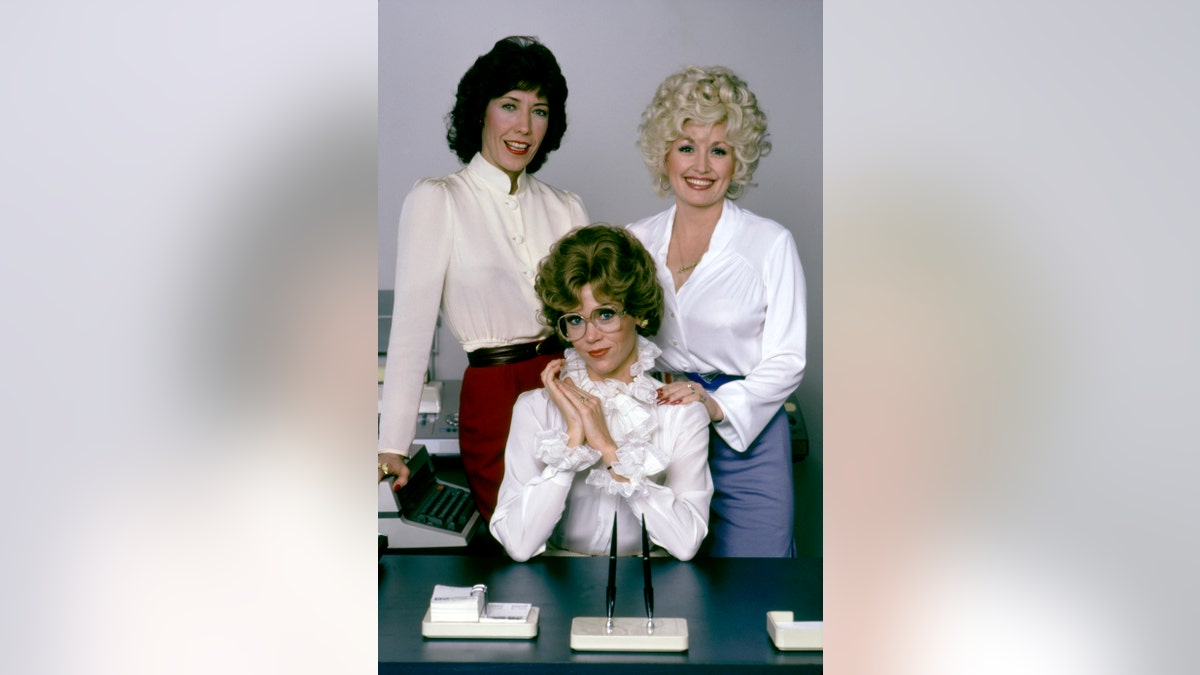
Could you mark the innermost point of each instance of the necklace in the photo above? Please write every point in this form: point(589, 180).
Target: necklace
point(684, 268)
point(679, 251)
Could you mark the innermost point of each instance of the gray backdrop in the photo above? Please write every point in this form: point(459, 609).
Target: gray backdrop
point(613, 55)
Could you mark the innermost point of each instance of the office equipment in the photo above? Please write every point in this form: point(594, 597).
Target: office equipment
point(464, 612)
point(610, 593)
point(437, 411)
point(483, 629)
point(724, 601)
point(428, 512)
point(628, 634)
point(790, 635)
point(457, 603)
point(431, 399)
point(439, 433)
point(647, 587)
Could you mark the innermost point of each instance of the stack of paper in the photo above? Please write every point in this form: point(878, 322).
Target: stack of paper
point(507, 611)
point(456, 603)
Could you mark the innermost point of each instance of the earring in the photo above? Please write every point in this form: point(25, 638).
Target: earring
point(643, 323)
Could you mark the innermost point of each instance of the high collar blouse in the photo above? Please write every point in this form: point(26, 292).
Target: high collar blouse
point(466, 246)
point(562, 497)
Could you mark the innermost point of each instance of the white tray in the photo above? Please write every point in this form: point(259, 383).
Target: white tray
point(488, 630)
point(794, 635)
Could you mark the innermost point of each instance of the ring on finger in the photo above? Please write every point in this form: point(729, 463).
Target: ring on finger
point(703, 398)
point(691, 388)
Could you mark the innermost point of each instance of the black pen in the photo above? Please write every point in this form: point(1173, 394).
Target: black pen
point(648, 590)
point(610, 595)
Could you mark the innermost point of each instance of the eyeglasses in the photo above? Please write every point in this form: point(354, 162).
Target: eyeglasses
point(574, 326)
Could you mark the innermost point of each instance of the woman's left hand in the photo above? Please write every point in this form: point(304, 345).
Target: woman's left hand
point(686, 391)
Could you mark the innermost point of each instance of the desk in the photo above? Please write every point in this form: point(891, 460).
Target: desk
point(725, 602)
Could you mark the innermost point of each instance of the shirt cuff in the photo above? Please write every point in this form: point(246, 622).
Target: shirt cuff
point(631, 464)
point(550, 448)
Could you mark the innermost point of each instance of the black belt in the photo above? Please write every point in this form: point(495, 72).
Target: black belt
point(502, 356)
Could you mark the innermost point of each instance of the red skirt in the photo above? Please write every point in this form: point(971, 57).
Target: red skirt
point(484, 415)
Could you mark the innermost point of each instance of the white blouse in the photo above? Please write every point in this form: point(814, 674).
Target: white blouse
point(564, 497)
point(741, 312)
point(467, 246)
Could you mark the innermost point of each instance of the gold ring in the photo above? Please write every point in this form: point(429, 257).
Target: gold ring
point(691, 388)
point(703, 398)
point(583, 398)
point(384, 468)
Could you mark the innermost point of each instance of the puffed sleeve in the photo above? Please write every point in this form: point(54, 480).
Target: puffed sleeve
point(749, 404)
point(424, 242)
point(677, 510)
point(579, 217)
point(538, 471)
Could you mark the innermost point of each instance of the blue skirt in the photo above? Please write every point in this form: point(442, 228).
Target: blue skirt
point(753, 504)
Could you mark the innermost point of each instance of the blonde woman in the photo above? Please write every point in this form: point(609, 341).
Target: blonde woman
point(734, 317)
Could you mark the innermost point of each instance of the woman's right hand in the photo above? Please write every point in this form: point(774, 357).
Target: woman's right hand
point(562, 400)
point(396, 467)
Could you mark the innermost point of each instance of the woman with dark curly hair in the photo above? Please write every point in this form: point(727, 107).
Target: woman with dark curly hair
point(735, 300)
point(469, 244)
point(593, 441)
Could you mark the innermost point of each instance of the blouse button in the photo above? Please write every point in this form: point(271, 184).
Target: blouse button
point(511, 203)
point(519, 239)
point(675, 343)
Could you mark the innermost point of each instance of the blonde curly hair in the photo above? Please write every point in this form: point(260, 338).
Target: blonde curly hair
point(704, 96)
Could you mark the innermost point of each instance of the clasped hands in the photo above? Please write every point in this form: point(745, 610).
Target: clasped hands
point(584, 414)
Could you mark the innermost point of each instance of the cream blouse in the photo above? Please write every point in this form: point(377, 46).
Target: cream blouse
point(468, 247)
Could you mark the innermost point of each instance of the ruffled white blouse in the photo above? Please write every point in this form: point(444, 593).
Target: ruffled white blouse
point(563, 498)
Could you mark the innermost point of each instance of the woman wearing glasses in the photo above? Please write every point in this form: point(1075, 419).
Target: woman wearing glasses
point(594, 441)
point(735, 300)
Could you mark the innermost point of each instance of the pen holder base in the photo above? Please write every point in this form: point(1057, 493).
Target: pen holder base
point(629, 634)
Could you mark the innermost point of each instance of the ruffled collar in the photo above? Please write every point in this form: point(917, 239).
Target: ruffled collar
point(629, 409)
point(643, 388)
point(631, 412)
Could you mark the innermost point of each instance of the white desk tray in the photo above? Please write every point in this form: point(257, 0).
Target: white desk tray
point(793, 635)
point(629, 634)
point(486, 630)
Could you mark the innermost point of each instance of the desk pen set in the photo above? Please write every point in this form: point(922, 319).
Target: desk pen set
point(628, 634)
point(464, 612)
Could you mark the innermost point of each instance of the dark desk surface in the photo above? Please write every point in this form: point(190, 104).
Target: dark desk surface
point(725, 602)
